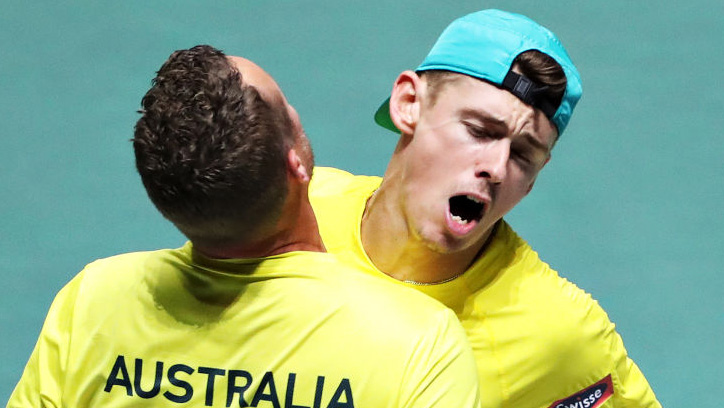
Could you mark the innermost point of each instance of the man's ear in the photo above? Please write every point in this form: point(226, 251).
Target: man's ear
point(296, 167)
point(405, 101)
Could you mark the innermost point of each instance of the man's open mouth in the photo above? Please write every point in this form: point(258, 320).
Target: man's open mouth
point(466, 208)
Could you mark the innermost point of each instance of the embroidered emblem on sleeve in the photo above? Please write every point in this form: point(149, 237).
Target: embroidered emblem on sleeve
point(591, 397)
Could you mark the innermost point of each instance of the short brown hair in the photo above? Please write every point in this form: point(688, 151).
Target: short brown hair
point(210, 151)
point(543, 70)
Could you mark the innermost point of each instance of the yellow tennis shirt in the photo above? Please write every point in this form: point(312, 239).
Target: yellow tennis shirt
point(171, 328)
point(539, 340)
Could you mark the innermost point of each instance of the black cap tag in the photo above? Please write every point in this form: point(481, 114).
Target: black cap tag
point(529, 92)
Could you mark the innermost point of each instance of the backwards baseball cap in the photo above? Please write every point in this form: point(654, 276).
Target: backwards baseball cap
point(484, 44)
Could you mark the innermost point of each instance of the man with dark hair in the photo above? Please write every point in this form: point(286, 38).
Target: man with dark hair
point(211, 152)
point(478, 120)
point(251, 311)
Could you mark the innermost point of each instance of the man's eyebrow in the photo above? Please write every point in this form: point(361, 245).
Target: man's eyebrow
point(499, 124)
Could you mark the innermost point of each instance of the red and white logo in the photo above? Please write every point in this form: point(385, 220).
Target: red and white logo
point(591, 397)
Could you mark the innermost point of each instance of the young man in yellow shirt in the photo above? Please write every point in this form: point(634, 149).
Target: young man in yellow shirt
point(477, 121)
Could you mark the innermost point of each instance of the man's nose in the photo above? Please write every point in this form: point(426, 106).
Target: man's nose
point(493, 162)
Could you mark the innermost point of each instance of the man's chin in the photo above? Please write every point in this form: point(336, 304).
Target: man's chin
point(450, 245)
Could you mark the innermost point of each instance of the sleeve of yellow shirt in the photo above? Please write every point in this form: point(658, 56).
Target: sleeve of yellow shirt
point(597, 350)
point(593, 352)
point(42, 381)
point(632, 390)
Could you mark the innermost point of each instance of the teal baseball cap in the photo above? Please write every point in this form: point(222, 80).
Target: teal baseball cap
point(484, 45)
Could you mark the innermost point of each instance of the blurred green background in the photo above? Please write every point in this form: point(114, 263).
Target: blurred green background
point(629, 207)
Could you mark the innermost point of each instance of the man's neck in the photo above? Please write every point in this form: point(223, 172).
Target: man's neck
point(395, 251)
point(297, 230)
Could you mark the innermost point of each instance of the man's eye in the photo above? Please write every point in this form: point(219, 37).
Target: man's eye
point(521, 156)
point(477, 131)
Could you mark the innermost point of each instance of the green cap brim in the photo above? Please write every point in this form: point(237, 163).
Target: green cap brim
point(382, 117)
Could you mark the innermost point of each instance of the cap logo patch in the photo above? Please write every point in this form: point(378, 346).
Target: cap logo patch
point(591, 397)
point(522, 86)
point(529, 92)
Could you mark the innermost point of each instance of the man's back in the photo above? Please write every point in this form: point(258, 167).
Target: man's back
point(171, 327)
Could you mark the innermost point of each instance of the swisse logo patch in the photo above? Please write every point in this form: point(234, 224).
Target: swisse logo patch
point(591, 397)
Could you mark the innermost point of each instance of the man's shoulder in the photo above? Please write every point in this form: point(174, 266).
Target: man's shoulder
point(338, 199)
point(581, 341)
point(329, 181)
point(535, 286)
point(511, 254)
point(568, 308)
point(117, 271)
point(131, 260)
point(530, 306)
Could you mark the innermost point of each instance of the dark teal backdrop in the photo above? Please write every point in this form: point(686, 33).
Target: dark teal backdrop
point(629, 207)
